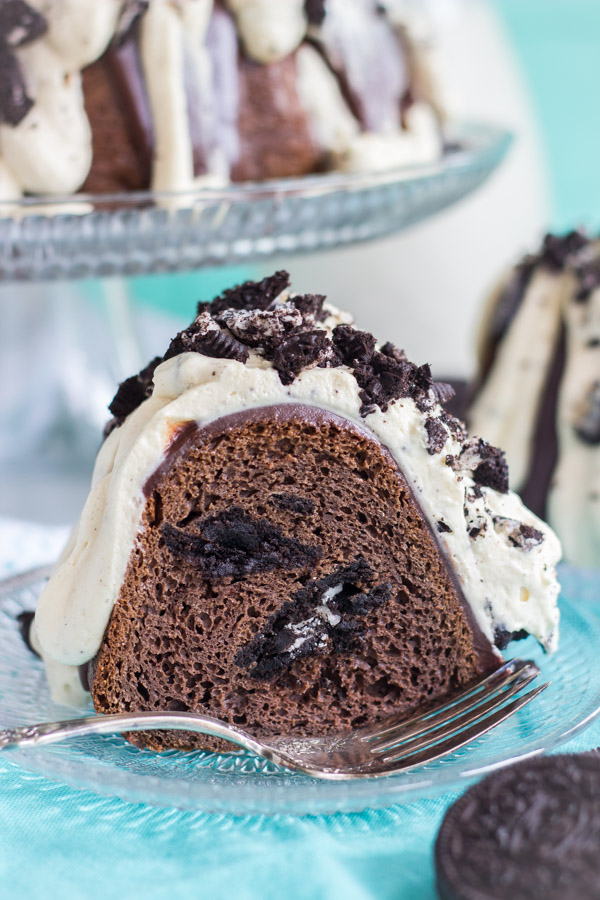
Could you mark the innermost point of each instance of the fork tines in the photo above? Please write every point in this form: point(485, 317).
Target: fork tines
point(476, 710)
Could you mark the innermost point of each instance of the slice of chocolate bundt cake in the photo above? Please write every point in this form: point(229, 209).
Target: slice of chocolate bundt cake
point(538, 392)
point(287, 531)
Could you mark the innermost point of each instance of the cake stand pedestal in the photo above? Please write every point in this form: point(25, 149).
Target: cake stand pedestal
point(65, 343)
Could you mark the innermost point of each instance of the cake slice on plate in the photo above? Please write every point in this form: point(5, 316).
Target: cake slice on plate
point(287, 531)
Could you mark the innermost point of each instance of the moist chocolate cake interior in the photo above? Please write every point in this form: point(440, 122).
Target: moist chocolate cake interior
point(284, 580)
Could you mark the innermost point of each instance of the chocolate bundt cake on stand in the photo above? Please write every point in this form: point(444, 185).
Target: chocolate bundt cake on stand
point(538, 392)
point(173, 94)
point(287, 531)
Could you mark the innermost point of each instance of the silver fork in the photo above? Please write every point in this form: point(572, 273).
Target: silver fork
point(391, 746)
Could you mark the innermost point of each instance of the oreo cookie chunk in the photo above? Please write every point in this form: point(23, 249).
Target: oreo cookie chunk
point(525, 833)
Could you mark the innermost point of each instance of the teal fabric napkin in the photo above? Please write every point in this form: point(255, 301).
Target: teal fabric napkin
point(57, 841)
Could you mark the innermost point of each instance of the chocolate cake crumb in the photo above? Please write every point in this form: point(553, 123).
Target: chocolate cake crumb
point(131, 393)
point(321, 616)
point(249, 295)
point(293, 503)
point(587, 427)
point(303, 350)
point(204, 336)
point(442, 527)
point(20, 24)
point(233, 543)
point(437, 435)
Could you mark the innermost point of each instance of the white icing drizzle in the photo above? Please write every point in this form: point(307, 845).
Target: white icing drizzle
point(496, 576)
point(269, 30)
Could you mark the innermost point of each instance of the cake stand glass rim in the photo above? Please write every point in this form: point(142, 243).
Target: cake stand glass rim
point(139, 234)
point(473, 138)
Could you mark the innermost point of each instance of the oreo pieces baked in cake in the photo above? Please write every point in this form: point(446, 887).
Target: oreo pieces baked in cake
point(287, 531)
point(124, 95)
point(540, 398)
point(525, 833)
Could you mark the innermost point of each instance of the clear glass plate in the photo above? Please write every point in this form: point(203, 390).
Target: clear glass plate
point(240, 784)
point(142, 232)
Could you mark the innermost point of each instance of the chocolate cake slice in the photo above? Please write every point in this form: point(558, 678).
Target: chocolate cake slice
point(287, 531)
point(538, 390)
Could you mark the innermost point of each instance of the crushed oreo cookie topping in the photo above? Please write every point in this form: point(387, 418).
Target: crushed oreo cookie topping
point(311, 307)
point(315, 11)
point(20, 24)
point(487, 464)
point(133, 391)
point(250, 295)
point(525, 537)
point(204, 336)
point(355, 347)
point(588, 275)
point(324, 614)
point(437, 435)
point(587, 426)
point(557, 250)
point(233, 543)
point(282, 330)
point(502, 637)
point(265, 329)
point(303, 350)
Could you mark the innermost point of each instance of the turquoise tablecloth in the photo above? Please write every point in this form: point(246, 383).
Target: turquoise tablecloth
point(59, 842)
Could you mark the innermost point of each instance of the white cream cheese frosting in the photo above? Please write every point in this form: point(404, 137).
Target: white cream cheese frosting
point(508, 580)
point(506, 409)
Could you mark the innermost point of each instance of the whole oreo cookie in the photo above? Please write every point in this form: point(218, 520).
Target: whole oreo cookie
point(525, 833)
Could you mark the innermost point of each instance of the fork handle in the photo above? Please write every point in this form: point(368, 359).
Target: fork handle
point(53, 732)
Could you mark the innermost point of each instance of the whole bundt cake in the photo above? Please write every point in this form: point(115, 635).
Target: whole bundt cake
point(124, 95)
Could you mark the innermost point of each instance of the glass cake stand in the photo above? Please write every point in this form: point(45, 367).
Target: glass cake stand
point(134, 233)
point(65, 343)
point(241, 784)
